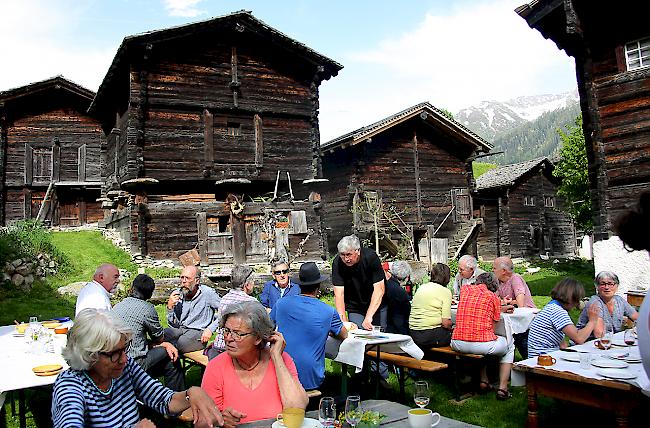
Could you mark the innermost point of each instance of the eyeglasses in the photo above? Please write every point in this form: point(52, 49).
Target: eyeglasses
point(115, 355)
point(281, 272)
point(607, 284)
point(237, 336)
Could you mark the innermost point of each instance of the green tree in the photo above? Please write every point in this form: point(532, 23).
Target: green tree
point(572, 170)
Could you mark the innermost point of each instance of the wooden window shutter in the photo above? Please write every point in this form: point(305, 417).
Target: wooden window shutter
point(81, 163)
point(29, 164)
point(259, 144)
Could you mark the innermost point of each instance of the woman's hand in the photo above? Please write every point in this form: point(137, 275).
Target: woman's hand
point(593, 312)
point(144, 423)
point(277, 344)
point(206, 413)
point(171, 350)
point(231, 417)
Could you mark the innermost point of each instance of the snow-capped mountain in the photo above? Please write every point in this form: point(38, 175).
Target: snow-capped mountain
point(493, 118)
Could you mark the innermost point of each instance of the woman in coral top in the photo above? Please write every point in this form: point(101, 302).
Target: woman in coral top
point(478, 310)
point(252, 381)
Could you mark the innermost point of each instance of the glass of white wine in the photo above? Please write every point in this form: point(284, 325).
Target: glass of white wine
point(421, 393)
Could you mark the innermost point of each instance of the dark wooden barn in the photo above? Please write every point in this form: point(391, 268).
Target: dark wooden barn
point(522, 214)
point(49, 150)
point(412, 169)
point(213, 142)
point(611, 46)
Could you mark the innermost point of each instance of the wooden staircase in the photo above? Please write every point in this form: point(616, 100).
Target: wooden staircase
point(464, 234)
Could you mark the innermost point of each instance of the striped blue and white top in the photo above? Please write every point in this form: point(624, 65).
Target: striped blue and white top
point(546, 333)
point(76, 401)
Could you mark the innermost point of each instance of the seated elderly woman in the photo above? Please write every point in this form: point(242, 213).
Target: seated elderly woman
point(551, 324)
point(102, 384)
point(430, 321)
point(478, 310)
point(612, 308)
point(252, 381)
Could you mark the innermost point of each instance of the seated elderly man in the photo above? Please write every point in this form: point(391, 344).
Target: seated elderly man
point(242, 284)
point(96, 294)
point(156, 357)
point(194, 317)
point(280, 286)
point(468, 270)
point(306, 323)
point(513, 289)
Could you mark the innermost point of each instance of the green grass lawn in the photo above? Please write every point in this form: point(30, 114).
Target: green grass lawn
point(86, 250)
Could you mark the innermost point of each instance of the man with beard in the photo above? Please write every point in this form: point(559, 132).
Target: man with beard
point(191, 312)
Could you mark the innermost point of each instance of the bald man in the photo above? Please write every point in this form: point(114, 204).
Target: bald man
point(97, 293)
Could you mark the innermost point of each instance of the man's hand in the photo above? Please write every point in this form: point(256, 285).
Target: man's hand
point(367, 324)
point(173, 299)
point(144, 423)
point(171, 350)
point(207, 334)
point(508, 309)
point(231, 417)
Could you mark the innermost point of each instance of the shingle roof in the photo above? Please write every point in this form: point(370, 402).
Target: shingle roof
point(426, 112)
point(507, 175)
point(47, 84)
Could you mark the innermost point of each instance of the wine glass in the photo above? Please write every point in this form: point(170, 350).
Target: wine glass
point(353, 410)
point(606, 339)
point(327, 412)
point(628, 337)
point(421, 393)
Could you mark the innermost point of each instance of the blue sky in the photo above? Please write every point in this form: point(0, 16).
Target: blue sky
point(452, 53)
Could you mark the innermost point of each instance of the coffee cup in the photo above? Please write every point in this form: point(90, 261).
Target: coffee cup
point(545, 360)
point(423, 418)
point(291, 417)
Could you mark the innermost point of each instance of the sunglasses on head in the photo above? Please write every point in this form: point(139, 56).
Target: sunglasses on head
point(280, 272)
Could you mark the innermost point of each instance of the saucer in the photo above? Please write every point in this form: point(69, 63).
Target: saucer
point(609, 363)
point(307, 423)
point(616, 374)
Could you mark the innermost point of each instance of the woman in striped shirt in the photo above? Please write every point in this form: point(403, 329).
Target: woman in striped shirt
point(102, 385)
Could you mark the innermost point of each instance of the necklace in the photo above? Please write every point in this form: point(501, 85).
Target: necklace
point(259, 358)
point(107, 392)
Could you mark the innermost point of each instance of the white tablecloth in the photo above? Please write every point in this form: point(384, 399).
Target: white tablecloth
point(352, 350)
point(641, 379)
point(17, 362)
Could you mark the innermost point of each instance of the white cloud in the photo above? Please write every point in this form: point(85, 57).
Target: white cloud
point(184, 8)
point(475, 53)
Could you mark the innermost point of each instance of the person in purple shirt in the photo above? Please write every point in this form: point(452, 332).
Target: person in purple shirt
point(280, 286)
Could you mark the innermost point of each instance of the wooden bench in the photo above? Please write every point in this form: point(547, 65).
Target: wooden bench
point(194, 358)
point(456, 358)
point(406, 362)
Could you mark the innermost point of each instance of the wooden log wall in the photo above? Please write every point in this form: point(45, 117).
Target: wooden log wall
point(180, 90)
point(494, 237)
point(387, 164)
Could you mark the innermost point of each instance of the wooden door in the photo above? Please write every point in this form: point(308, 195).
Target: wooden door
point(462, 204)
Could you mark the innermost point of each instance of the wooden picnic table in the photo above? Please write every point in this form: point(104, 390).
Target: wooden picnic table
point(396, 416)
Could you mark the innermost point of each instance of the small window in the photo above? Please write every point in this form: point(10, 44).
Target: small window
point(637, 54)
point(529, 201)
point(549, 201)
point(234, 129)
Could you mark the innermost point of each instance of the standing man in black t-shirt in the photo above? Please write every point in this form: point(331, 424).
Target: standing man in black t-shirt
point(358, 280)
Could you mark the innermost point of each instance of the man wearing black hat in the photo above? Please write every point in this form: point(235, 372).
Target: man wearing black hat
point(306, 322)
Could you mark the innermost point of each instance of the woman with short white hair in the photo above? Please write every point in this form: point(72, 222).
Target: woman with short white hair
point(102, 384)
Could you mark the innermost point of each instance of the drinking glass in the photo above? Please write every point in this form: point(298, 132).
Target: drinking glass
point(421, 393)
point(353, 410)
point(33, 322)
point(606, 339)
point(327, 412)
point(629, 338)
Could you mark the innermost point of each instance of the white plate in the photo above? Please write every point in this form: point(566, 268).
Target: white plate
point(307, 423)
point(609, 364)
point(616, 374)
point(570, 356)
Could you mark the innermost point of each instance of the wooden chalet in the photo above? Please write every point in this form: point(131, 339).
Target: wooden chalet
point(522, 214)
point(611, 46)
point(213, 141)
point(414, 169)
point(49, 150)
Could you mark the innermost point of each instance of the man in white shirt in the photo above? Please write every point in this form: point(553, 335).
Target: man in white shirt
point(468, 270)
point(97, 293)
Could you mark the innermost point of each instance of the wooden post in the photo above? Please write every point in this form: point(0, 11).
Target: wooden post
point(3, 148)
point(81, 163)
point(56, 160)
point(29, 164)
point(259, 142)
point(27, 199)
point(208, 142)
point(238, 239)
point(416, 169)
point(202, 229)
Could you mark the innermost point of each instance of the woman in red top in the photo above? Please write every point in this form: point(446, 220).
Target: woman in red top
point(478, 310)
point(252, 381)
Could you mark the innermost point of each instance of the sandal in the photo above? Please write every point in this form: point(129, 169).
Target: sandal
point(503, 394)
point(484, 387)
